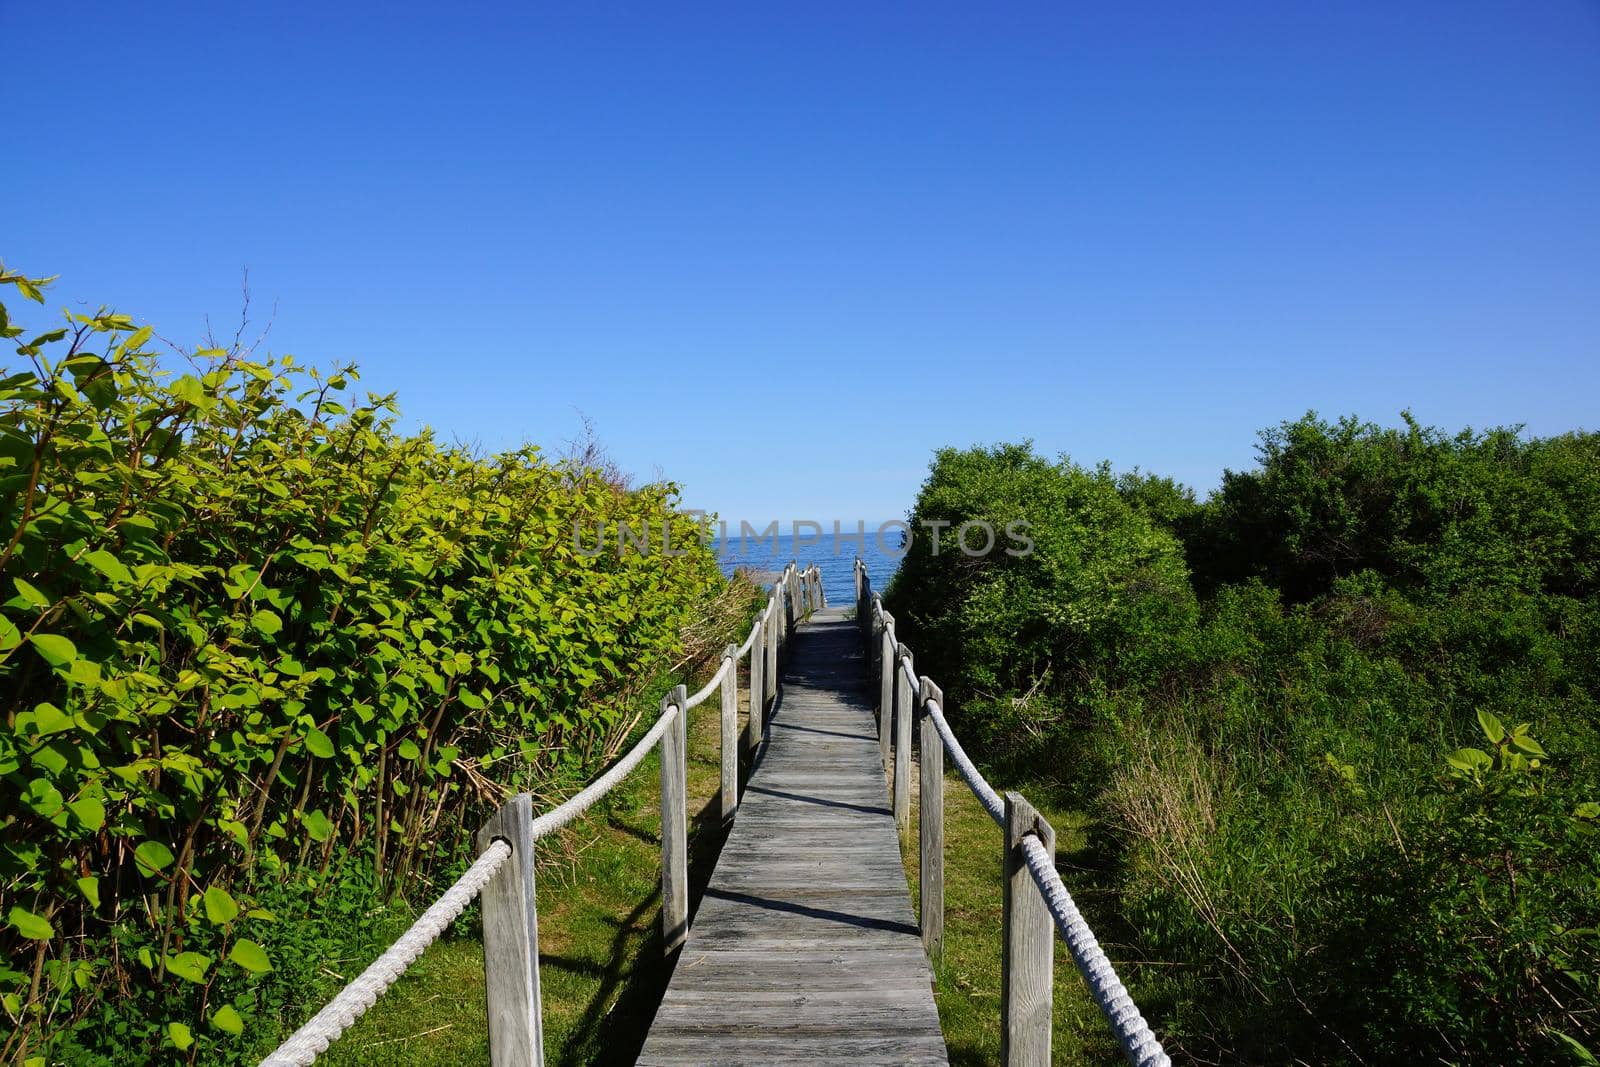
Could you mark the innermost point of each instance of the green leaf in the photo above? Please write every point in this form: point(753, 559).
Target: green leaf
point(189, 390)
point(108, 565)
point(1527, 745)
point(151, 857)
point(251, 956)
point(1580, 1054)
point(180, 1035)
point(89, 886)
point(317, 743)
point(34, 927)
point(227, 1020)
point(55, 649)
point(190, 966)
point(409, 750)
point(10, 636)
point(90, 812)
point(1473, 761)
point(221, 908)
point(267, 622)
point(49, 719)
point(30, 594)
point(317, 825)
point(1492, 729)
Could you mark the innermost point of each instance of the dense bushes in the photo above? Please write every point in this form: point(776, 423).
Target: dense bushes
point(254, 634)
point(1350, 783)
point(1100, 582)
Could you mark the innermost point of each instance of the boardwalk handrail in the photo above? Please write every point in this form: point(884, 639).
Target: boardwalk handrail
point(504, 870)
point(1029, 859)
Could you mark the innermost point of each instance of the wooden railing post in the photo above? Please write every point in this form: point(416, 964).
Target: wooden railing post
point(872, 632)
point(730, 732)
point(863, 608)
point(904, 712)
point(770, 674)
point(511, 941)
point(674, 824)
point(754, 726)
point(885, 687)
point(930, 824)
point(783, 620)
point(1029, 945)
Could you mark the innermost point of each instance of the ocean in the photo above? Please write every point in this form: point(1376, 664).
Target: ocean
point(834, 559)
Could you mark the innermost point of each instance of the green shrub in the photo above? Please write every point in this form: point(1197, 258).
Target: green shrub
point(255, 637)
point(1264, 750)
point(1101, 585)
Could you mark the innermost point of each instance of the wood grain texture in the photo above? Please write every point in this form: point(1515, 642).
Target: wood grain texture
point(753, 732)
point(730, 733)
point(511, 941)
point(886, 646)
point(804, 948)
point(1028, 955)
point(904, 711)
point(674, 823)
point(930, 825)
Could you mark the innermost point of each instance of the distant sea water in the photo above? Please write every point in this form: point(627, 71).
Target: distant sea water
point(834, 559)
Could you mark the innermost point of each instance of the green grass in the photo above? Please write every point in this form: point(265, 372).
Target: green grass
point(968, 986)
point(600, 961)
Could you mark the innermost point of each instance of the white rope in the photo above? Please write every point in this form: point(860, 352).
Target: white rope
point(1138, 1043)
point(716, 680)
point(748, 641)
point(975, 781)
point(340, 1013)
point(556, 818)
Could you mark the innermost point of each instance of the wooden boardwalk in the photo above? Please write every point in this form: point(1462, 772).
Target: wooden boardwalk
point(804, 948)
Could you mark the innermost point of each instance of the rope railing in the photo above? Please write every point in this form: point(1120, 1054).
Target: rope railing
point(1029, 859)
point(503, 873)
point(1133, 1033)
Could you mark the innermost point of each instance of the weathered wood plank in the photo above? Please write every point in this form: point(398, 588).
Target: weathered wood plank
point(1028, 945)
point(804, 948)
point(674, 823)
point(511, 941)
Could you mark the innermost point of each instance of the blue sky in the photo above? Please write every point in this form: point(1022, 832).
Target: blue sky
point(781, 252)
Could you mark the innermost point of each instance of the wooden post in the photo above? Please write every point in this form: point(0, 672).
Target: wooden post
point(674, 824)
point(753, 726)
point(770, 674)
point(511, 941)
point(930, 825)
point(885, 688)
point(1029, 945)
point(872, 632)
point(904, 711)
point(863, 609)
point(730, 732)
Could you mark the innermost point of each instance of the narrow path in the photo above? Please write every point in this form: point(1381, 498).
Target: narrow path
point(804, 948)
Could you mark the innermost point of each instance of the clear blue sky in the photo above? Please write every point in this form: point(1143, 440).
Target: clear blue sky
point(782, 252)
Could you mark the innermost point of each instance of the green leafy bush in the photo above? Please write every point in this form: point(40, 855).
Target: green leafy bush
point(1309, 808)
point(254, 637)
point(1099, 583)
